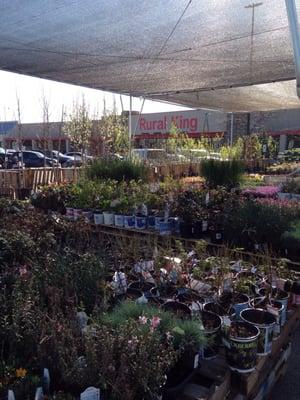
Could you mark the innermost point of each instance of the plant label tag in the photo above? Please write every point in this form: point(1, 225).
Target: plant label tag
point(273, 310)
point(226, 321)
point(11, 395)
point(39, 395)
point(46, 380)
point(90, 393)
point(196, 361)
point(226, 343)
point(204, 226)
point(207, 198)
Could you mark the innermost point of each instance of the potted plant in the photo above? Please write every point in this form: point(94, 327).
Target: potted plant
point(108, 215)
point(265, 322)
point(189, 208)
point(121, 207)
point(241, 340)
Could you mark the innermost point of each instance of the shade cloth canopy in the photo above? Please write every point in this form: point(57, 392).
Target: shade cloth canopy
point(223, 54)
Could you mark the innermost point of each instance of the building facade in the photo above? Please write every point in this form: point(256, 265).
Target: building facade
point(149, 130)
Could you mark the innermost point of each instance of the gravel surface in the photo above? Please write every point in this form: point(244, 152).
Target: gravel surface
point(288, 387)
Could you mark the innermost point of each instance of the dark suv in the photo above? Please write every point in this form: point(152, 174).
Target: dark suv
point(31, 159)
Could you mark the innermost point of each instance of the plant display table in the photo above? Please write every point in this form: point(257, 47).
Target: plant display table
point(214, 381)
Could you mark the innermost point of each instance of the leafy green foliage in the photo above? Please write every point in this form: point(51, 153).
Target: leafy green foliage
point(221, 173)
point(254, 221)
point(79, 126)
point(118, 170)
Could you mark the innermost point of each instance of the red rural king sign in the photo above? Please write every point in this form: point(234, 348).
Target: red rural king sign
point(193, 122)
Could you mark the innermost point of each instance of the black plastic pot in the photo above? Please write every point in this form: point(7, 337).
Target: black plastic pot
point(212, 325)
point(265, 322)
point(283, 298)
point(143, 286)
point(240, 302)
point(180, 309)
point(295, 291)
point(217, 236)
point(237, 301)
point(187, 230)
point(241, 346)
point(189, 296)
point(176, 381)
point(219, 310)
point(165, 291)
point(133, 293)
point(263, 302)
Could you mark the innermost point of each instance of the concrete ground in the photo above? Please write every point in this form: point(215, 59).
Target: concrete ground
point(288, 387)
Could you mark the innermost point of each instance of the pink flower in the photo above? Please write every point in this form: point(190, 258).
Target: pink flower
point(155, 321)
point(262, 191)
point(143, 320)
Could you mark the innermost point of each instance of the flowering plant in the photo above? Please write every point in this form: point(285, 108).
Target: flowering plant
point(262, 191)
point(131, 360)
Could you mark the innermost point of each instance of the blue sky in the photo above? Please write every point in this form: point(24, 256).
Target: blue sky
point(30, 92)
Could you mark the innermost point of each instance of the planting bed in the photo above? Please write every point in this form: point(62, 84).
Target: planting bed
point(100, 311)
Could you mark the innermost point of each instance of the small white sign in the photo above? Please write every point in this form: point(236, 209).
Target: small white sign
point(11, 395)
point(46, 380)
point(90, 393)
point(207, 198)
point(39, 395)
point(196, 361)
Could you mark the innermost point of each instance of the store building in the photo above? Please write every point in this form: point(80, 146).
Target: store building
point(149, 130)
point(39, 136)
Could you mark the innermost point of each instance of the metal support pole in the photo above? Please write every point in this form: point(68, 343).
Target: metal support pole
point(130, 124)
point(295, 36)
point(231, 130)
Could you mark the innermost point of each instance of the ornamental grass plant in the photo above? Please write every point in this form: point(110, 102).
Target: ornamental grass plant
point(222, 173)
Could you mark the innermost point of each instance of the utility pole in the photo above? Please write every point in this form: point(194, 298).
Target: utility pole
point(130, 124)
point(253, 7)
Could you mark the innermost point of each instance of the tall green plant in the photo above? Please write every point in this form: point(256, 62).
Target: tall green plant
point(222, 173)
point(118, 170)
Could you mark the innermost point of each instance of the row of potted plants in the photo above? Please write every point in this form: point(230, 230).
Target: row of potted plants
point(224, 216)
point(248, 315)
point(135, 333)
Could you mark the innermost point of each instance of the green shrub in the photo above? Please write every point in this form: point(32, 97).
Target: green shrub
point(118, 170)
point(222, 173)
point(255, 221)
point(290, 240)
point(291, 186)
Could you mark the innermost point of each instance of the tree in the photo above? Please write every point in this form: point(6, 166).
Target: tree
point(111, 131)
point(79, 127)
point(45, 104)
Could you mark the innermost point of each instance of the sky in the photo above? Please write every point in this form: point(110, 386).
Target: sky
point(31, 91)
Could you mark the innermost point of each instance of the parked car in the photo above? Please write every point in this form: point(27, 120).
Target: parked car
point(78, 155)
point(31, 159)
point(63, 159)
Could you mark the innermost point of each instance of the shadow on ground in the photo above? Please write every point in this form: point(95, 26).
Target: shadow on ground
point(288, 387)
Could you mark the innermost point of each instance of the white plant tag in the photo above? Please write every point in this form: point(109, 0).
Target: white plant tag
point(226, 321)
point(46, 380)
point(196, 361)
point(273, 310)
point(90, 393)
point(207, 198)
point(39, 395)
point(11, 395)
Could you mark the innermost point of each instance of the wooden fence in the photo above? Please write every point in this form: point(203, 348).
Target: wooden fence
point(12, 182)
